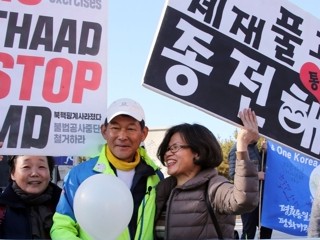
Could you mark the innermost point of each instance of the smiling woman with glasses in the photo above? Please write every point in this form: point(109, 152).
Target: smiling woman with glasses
point(191, 154)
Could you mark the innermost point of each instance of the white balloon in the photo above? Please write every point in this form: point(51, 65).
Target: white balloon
point(103, 206)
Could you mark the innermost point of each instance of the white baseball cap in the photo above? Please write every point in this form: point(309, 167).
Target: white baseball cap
point(125, 106)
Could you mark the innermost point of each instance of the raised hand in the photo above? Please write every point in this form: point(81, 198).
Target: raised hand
point(249, 132)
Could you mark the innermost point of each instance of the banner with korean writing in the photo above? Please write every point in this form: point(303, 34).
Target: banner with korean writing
point(291, 180)
point(52, 75)
point(223, 56)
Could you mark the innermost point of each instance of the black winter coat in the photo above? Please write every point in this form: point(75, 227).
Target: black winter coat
point(14, 214)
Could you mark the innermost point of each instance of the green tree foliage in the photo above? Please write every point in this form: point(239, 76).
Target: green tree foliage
point(226, 145)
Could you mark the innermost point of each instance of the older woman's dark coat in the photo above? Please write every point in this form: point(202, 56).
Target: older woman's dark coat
point(15, 217)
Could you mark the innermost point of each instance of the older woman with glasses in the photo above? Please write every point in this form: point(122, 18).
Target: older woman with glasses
point(184, 200)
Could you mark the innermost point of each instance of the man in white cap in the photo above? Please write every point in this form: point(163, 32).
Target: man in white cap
point(124, 130)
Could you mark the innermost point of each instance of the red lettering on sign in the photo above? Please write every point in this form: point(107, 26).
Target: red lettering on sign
point(30, 63)
point(30, 2)
point(83, 82)
point(50, 79)
point(5, 80)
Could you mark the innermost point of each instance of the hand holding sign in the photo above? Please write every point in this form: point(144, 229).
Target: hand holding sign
point(103, 206)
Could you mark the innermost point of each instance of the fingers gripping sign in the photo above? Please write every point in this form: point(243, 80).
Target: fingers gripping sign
point(249, 132)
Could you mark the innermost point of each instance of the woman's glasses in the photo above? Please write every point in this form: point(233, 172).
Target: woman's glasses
point(176, 147)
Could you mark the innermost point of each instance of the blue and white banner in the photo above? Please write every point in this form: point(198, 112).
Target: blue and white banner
point(291, 179)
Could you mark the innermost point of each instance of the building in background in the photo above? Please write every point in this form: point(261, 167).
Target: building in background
point(152, 143)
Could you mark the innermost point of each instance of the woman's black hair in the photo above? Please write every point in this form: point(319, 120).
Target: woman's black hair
point(200, 140)
point(12, 163)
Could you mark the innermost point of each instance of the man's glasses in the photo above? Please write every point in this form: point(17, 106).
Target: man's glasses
point(176, 147)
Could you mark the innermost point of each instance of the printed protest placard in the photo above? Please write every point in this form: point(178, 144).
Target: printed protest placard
point(53, 77)
point(222, 56)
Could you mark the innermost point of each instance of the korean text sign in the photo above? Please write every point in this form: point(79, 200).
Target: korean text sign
point(223, 56)
point(52, 74)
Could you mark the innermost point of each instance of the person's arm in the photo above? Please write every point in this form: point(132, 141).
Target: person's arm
point(246, 183)
point(243, 195)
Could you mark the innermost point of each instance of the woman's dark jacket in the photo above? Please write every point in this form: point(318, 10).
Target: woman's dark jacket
point(187, 216)
point(15, 220)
